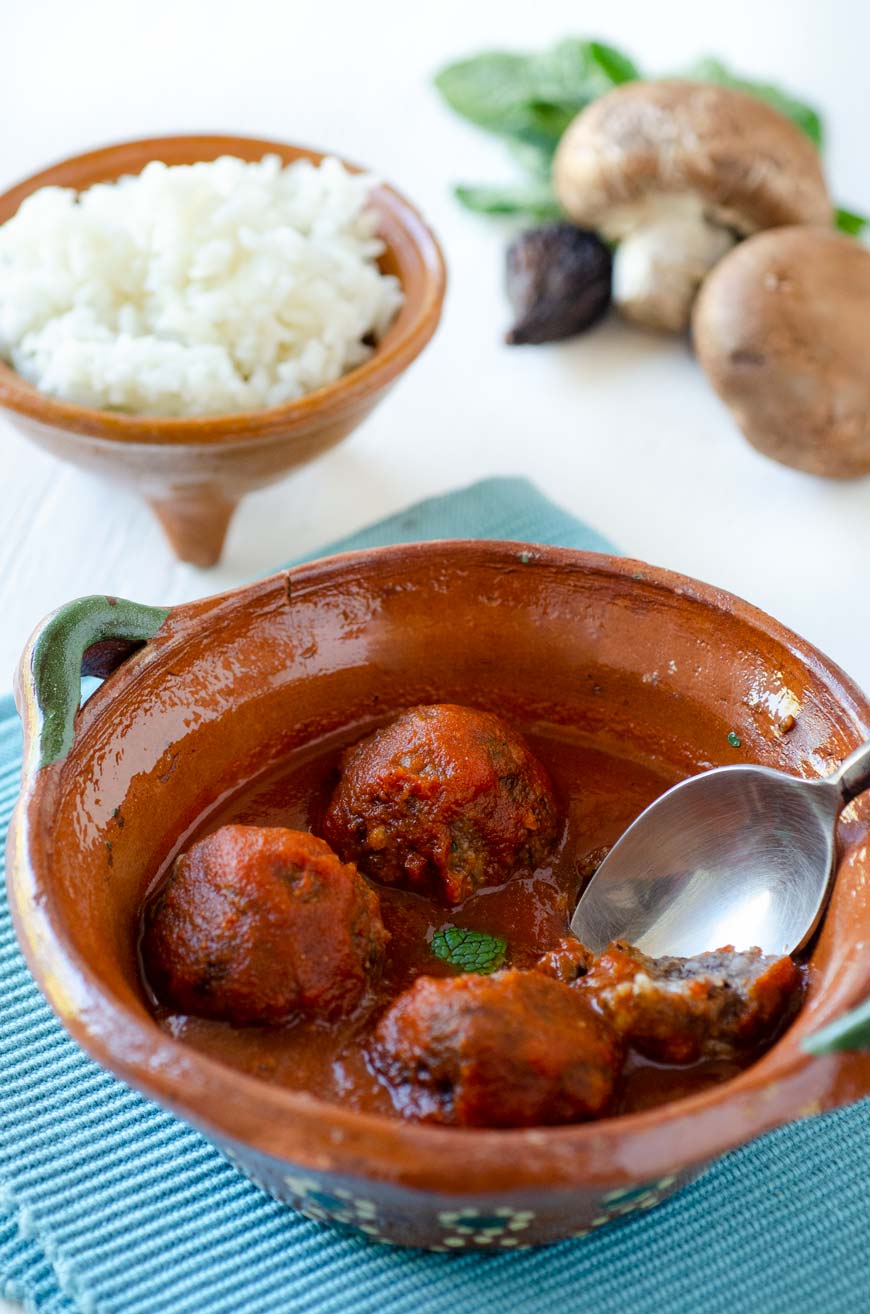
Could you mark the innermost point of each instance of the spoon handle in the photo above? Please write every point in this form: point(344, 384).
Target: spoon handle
point(853, 776)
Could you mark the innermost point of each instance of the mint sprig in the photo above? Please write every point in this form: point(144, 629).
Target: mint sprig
point(533, 198)
point(532, 97)
point(470, 951)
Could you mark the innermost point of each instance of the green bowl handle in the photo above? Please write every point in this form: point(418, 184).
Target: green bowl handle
point(90, 636)
point(850, 1031)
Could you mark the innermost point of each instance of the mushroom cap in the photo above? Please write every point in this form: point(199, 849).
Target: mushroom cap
point(782, 328)
point(748, 165)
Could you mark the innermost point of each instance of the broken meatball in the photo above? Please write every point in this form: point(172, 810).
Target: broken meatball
point(255, 924)
point(444, 800)
point(568, 961)
point(514, 1049)
point(678, 1010)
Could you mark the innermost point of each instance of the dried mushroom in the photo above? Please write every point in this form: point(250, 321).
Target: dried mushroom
point(558, 282)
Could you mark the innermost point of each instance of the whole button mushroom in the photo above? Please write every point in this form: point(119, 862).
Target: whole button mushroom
point(676, 172)
point(782, 330)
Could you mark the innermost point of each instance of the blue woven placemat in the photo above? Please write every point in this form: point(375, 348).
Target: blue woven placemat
point(110, 1206)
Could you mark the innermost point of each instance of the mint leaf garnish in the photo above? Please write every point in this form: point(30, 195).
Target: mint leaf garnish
point(470, 951)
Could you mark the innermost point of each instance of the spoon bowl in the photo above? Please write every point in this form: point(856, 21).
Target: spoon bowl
point(740, 855)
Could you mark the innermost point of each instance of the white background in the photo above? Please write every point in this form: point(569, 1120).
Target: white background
point(619, 425)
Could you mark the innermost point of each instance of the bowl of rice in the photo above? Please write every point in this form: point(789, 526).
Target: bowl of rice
point(193, 317)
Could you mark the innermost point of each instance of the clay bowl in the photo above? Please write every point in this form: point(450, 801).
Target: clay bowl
point(194, 471)
point(207, 694)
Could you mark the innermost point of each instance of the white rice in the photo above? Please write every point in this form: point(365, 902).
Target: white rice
point(194, 290)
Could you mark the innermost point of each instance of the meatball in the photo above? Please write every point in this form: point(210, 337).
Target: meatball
point(678, 1010)
point(255, 924)
point(514, 1049)
point(567, 961)
point(443, 801)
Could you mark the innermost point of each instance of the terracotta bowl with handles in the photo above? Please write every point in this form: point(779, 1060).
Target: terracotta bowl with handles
point(201, 697)
point(193, 471)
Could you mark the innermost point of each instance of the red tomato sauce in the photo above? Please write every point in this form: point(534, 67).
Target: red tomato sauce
point(600, 794)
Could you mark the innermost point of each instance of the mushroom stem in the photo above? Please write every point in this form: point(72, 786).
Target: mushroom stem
point(658, 268)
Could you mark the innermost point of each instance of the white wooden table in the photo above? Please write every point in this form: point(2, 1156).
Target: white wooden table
point(619, 426)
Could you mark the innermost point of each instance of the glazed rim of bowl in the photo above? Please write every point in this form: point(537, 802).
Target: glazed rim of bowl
point(404, 340)
point(298, 1128)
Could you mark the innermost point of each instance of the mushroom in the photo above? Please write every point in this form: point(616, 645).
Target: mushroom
point(676, 172)
point(558, 282)
point(782, 330)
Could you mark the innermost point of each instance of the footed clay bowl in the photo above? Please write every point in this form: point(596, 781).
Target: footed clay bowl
point(204, 695)
point(194, 471)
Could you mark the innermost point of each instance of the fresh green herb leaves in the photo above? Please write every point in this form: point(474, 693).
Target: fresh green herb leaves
point(532, 98)
point(734, 739)
point(805, 116)
point(529, 99)
point(615, 64)
point(856, 225)
point(471, 951)
point(532, 198)
point(492, 91)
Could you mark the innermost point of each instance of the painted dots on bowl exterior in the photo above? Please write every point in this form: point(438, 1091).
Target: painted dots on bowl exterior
point(194, 471)
point(394, 1217)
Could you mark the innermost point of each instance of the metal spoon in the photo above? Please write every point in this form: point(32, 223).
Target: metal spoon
point(740, 855)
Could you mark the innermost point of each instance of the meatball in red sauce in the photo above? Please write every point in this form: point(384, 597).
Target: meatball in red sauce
point(515, 1049)
point(256, 924)
point(678, 1010)
point(444, 800)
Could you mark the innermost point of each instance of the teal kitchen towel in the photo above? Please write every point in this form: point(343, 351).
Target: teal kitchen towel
point(108, 1205)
